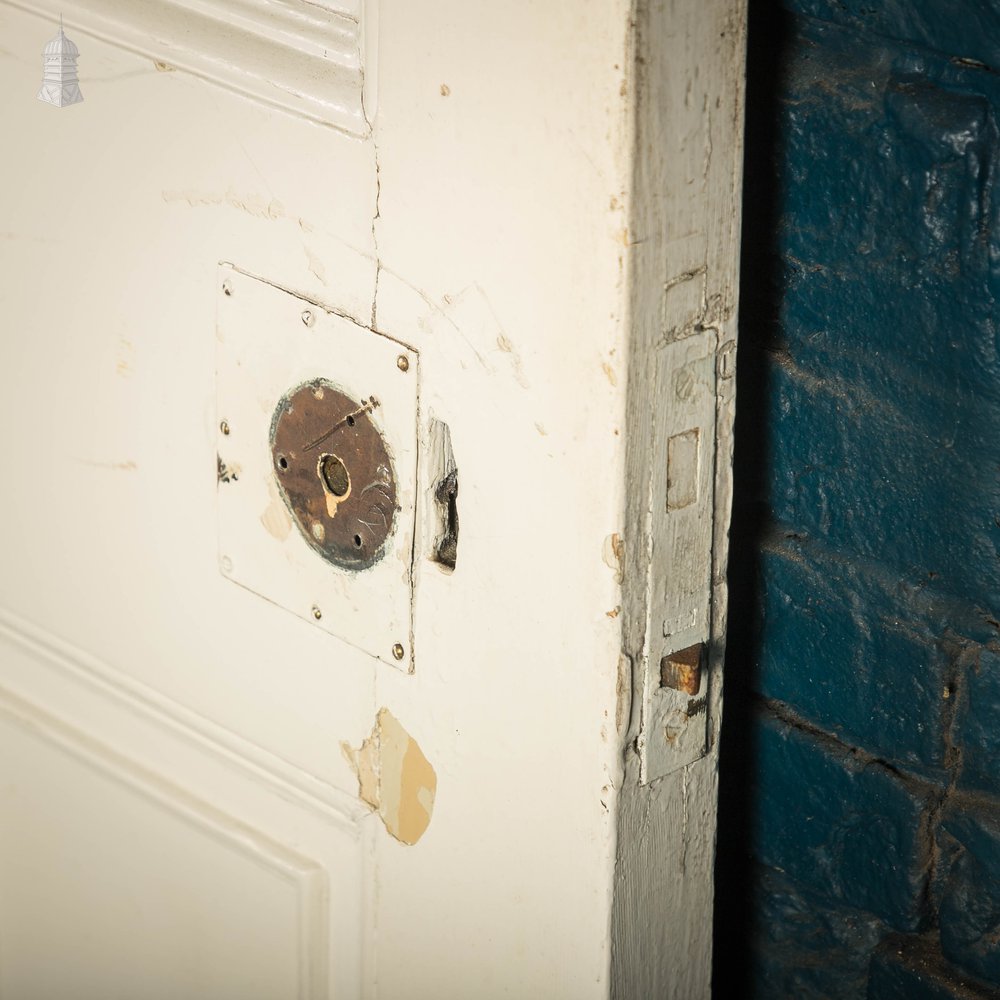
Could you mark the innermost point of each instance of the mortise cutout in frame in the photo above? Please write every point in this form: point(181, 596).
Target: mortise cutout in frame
point(682, 469)
point(445, 487)
point(682, 670)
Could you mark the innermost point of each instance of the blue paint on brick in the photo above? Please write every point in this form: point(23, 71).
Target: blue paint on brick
point(914, 969)
point(843, 826)
point(809, 948)
point(870, 361)
point(970, 899)
point(961, 29)
point(977, 724)
point(889, 380)
point(857, 656)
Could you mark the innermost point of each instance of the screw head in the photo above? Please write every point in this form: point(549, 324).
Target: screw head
point(398, 651)
point(224, 427)
point(227, 564)
point(308, 317)
point(227, 287)
point(403, 363)
point(317, 614)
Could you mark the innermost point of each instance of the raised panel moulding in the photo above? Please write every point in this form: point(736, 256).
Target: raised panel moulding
point(257, 763)
point(306, 876)
point(304, 56)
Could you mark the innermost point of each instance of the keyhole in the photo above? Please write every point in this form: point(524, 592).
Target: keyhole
point(334, 475)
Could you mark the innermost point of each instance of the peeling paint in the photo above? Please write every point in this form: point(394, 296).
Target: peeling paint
point(614, 555)
point(227, 473)
point(623, 691)
point(394, 778)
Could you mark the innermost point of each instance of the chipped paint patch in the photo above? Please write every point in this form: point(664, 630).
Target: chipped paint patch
point(394, 778)
point(276, 519)
point(623, 691)
point(227, 473)
point(614, 555)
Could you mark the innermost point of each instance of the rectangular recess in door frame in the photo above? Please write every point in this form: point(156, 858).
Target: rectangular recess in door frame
point(674, 727)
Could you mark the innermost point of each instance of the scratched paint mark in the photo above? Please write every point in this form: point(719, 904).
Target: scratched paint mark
point(164, 67)
point(505, 345)
point(127, 466)
point(610, 372)
point(394, 778)
point(315, 265)
point(252, 204)
point(126, 358)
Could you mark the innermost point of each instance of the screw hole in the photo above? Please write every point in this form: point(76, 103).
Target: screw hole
point(351, 421)
point(357, 541)
point(282, 462)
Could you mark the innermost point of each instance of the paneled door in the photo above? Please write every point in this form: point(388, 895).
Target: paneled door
point(336, 657)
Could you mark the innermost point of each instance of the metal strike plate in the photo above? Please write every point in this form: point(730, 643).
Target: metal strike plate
point(317, 464)
point(674, 727)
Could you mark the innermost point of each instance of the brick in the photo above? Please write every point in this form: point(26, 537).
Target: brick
point(888, 385)
point(970, 894)
point(806, 947)
point(977, 722)
point(855, 656)
point(965, 28)
point(844, 827)
point(910, 968)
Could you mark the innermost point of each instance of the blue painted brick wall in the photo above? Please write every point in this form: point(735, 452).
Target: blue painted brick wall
point(861, 749)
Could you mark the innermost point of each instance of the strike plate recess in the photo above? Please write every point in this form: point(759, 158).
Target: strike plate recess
point(285, 367)
point(674, 724)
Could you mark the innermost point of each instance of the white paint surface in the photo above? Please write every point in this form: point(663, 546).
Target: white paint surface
point(150, 710)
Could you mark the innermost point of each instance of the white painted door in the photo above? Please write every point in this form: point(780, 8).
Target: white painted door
point(282, 716)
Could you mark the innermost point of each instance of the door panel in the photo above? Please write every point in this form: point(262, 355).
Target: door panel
point(459, 182)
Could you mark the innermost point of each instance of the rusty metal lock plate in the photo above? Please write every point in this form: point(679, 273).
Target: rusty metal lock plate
point(317, 464)
point(335, 472)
